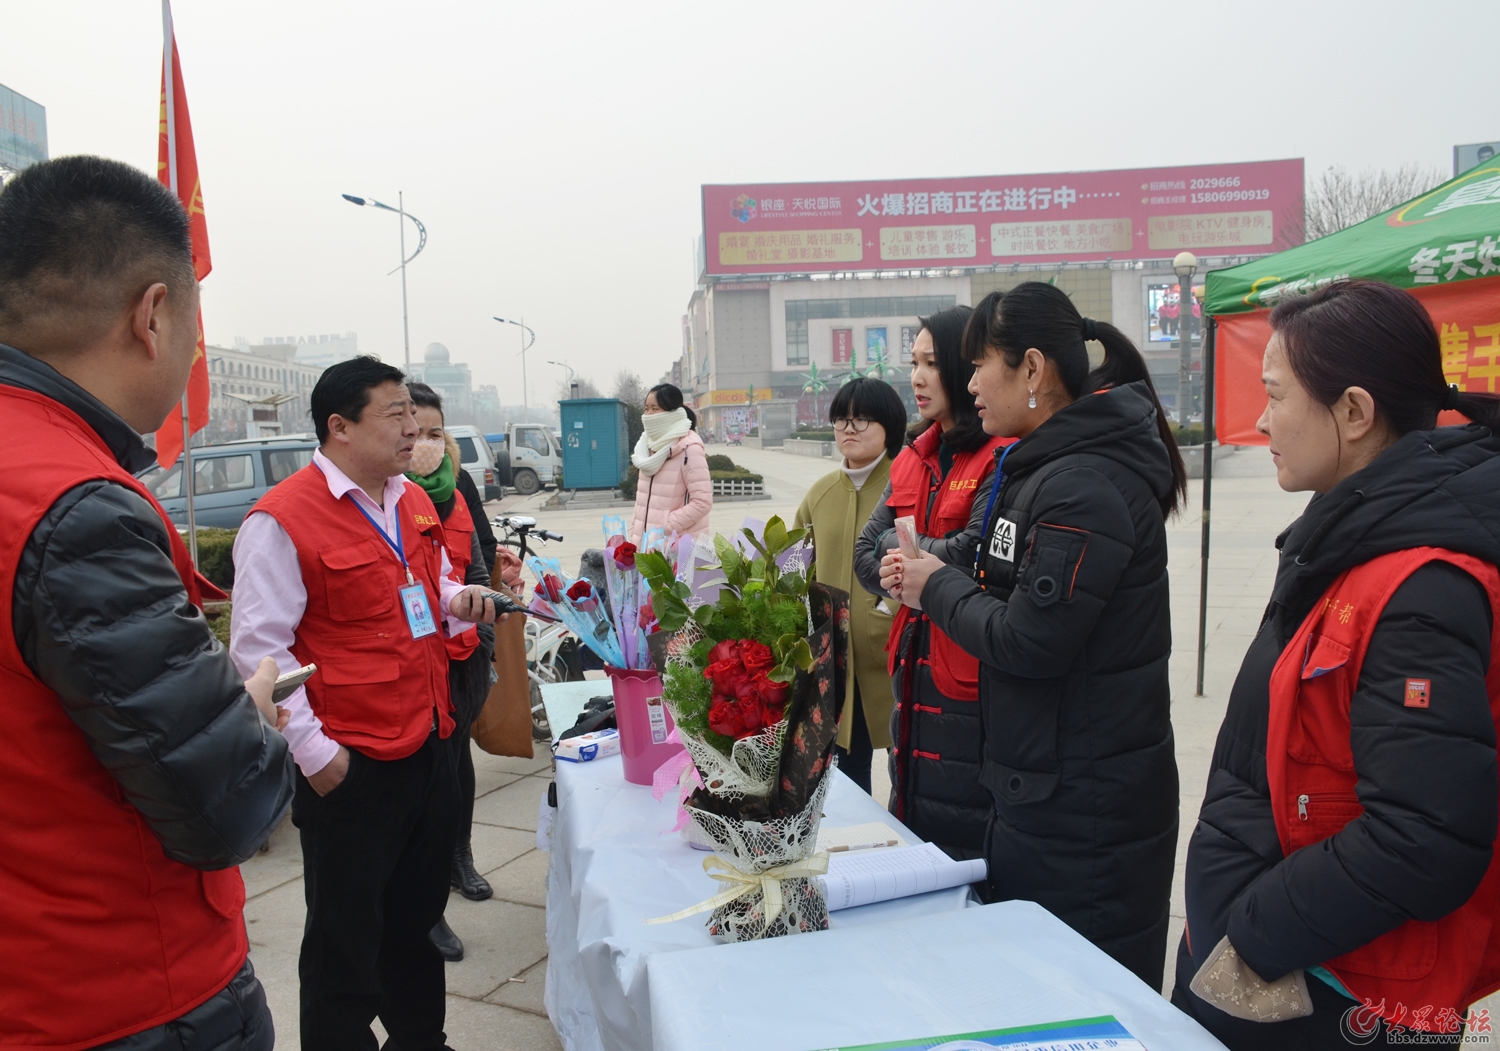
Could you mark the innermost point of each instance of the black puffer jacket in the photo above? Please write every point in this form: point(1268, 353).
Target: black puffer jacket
point(148, 684)
point(1428, 780)
point(1073, 630)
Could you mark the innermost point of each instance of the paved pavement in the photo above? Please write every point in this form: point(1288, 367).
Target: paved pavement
point(506, 937)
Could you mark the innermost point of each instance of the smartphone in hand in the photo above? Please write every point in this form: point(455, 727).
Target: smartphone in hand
point(287, 684)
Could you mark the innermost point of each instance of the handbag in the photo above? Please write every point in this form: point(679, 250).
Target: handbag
point(503, 725)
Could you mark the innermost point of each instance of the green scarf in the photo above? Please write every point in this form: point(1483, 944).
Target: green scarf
point(439, 484)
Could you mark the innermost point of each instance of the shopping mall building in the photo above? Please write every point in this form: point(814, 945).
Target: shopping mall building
point(802, 285)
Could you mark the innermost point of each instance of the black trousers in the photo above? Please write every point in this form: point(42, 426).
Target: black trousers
point(855, 761)
point(234, 1019)
point(376, 853)
point(469, 685)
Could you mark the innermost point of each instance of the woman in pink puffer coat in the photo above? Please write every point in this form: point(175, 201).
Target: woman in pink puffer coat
point(674, 492)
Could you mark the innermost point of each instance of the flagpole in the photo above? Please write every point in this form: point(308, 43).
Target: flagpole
point(168, 76)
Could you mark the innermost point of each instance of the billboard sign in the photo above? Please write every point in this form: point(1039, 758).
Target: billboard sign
point(904, 224)
point(1475, 153)
point(23, 130)
point(843, 346)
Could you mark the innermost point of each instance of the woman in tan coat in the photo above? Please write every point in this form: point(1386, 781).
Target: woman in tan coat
point(869, 423)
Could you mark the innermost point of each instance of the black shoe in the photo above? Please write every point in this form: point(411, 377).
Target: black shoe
point(463, 876)
point(447, 942)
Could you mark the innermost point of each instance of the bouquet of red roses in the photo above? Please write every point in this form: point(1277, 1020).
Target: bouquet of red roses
point(754, 682)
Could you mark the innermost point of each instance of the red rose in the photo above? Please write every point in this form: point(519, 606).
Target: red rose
point(745, 700)
point(757, 657)
point(581, 589)
point(552, 587)
point(624, 555)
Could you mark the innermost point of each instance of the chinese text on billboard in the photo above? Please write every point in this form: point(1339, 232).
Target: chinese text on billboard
point(1226, 209)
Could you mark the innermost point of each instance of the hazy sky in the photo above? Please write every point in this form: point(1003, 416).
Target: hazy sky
point(555, 150)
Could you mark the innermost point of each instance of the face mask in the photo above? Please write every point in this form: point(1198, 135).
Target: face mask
point(427, 455)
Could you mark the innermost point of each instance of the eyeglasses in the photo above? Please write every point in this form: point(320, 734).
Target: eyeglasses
point(857, 424)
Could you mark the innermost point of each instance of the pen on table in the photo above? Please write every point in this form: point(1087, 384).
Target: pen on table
point(864, 846)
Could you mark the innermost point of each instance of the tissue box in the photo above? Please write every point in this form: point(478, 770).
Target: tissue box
point(589, 746)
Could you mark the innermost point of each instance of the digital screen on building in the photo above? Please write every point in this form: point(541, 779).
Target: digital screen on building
point(906, 224)
point(23, 130)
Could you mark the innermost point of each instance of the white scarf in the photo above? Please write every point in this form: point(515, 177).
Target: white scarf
point(662, 431)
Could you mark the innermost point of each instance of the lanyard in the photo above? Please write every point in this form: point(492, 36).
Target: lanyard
point(990, 507)
point(396, 545)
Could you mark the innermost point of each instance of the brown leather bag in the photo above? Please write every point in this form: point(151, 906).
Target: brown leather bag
point(503, 726)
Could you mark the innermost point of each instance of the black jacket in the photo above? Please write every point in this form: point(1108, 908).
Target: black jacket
point(1428, 780)
point(934, 764)
point(482, 531)
point(101, 617)
point(1073, 630)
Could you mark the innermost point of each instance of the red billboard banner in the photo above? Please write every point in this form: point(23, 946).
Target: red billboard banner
point(843, 346)
point(1253, 208)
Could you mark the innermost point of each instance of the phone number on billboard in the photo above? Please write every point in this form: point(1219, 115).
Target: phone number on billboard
point(1229, 195)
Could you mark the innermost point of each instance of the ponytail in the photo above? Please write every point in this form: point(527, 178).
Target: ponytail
point(1479, 408)
point(1124, 364)
point(1042, 316)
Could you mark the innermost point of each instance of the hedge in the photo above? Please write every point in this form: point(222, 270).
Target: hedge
point(216, 556)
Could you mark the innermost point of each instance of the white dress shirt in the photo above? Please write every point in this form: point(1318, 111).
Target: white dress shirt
point(270, 597)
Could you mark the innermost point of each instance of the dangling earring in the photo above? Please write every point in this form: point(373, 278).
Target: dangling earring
point(1031, 401)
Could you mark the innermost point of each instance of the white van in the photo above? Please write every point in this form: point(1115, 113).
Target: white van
point(477, 460)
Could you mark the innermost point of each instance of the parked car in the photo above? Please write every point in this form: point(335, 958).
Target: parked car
point(228, 479)
point(477, 460)
point(527, 457)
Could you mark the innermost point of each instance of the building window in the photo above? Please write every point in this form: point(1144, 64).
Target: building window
point(800, 311)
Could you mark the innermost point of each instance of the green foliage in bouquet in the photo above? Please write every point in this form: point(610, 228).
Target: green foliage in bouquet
point(758, 600)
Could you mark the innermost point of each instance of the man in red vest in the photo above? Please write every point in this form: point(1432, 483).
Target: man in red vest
point(135, 769)
point(344, 565)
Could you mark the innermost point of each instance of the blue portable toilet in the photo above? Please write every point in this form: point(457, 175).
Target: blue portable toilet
point(595, 443)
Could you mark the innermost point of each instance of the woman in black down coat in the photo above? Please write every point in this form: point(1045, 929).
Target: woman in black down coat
point(1067, 611)
point(1355, 378)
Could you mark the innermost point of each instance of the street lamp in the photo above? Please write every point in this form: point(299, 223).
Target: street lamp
point(572, 383)
point(1186, 265)
point(525, 346)
point(400, 210)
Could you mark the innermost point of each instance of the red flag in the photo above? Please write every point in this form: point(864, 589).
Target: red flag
point(177, 168)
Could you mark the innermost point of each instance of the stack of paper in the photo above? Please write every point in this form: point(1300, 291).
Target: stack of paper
point(867, 876)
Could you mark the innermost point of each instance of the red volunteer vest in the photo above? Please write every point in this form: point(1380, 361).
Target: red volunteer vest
point(376, 687)
point(458, 529)
point(101, 935)
point(913, 474)
point(1448, 963)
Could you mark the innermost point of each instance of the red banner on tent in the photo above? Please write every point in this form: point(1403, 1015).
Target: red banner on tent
point(177, 168)
point(1467, 316)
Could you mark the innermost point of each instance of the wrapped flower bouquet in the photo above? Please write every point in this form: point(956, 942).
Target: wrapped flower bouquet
point(754, 681)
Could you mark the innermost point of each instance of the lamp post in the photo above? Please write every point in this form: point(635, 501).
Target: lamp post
point(1186, 265)
point(525, 346)
point(400, 211)
point(572, 383)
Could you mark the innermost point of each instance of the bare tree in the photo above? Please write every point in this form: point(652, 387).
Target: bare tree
point(631, 389)
point(1338, 198)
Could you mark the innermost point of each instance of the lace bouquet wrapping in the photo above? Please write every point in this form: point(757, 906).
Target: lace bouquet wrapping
point(755, 683)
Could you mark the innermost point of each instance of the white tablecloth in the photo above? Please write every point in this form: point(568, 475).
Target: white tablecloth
point(614, 865)
point(997, 967)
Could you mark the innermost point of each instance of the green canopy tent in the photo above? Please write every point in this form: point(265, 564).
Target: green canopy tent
point(1444, 247)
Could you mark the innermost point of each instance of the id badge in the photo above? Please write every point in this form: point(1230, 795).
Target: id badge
point(418, 611)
